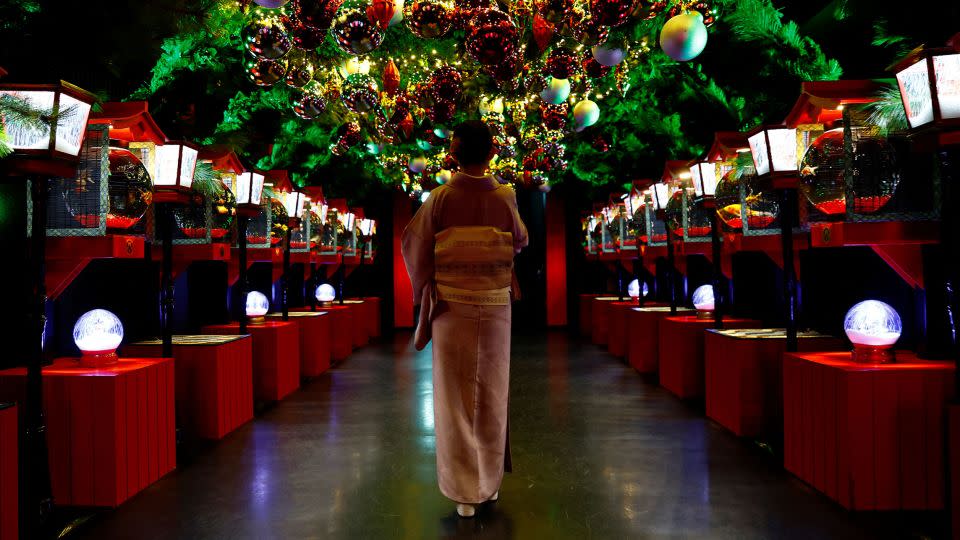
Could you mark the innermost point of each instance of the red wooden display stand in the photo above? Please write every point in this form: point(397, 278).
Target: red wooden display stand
point(214, 381)
point(360, 324)
point(953, 463)
point(373, 304)
point(314, 329)
point(680, 352)
point(600, 319)
point(9, 473)
point(869, 436)
point(744, 384)
point(341, 333)
point(586, 309)
point(643, 336)
point(617, 332)
point(111, 431)
point(276, 356)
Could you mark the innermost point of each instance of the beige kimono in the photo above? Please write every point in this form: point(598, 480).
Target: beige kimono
point(459, 251)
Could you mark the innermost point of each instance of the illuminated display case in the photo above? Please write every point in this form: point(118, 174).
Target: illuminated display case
point(746, 203)
point(633, 206)
point(611, 216)
point(587, 226)
point(656, 200)
point(687, 216)
point(258, 227)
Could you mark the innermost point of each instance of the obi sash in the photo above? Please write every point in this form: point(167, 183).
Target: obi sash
point(474, 265)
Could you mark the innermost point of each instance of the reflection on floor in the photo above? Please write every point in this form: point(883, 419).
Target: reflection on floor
point(598, 453)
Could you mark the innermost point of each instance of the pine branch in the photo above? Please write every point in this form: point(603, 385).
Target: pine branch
point(887, 112)
point(206, 181)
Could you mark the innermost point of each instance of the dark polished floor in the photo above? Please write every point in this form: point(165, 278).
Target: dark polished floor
point(598, 453)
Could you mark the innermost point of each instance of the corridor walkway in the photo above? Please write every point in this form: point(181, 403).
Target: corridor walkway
point(598, 453)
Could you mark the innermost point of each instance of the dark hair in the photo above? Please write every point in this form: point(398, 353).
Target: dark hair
point(475, 142)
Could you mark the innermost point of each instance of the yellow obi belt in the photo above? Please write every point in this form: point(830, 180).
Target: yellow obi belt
point(474, 265)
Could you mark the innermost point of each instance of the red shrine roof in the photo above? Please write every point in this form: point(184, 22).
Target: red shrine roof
point(129, 121)
point(823, 101)
point(222, 157)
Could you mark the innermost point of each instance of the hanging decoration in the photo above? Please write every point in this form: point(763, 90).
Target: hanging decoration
point(684, 36)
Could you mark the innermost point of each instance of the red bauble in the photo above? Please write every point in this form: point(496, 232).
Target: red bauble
point(611, 12)
point(446, 84)
point(592, 68)
point(315, 13)
point(554, 116)
point(491, 37)
point(562, 63)
point(542, 32)
point(306, 37)
point(587, 31)
point(391, 78)
point(427, 18)
point(600, 144)
point(553, 11)
point(441, 112)
point(381, 11)
point(505, 71)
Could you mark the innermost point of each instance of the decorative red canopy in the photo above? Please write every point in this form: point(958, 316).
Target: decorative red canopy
point(222, 157)
point(129, 122)
point(823, 101)
point(727, 144)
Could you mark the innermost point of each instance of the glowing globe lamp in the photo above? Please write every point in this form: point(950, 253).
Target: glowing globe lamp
point(703, 301)
point(873, 327)
point(257, 306)
point(97, 334)
point(633, 289)
point(326, 294)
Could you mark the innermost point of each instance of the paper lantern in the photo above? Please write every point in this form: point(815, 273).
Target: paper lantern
point(257, 305)
point(98, 333)
point(633, 289)
point(293, 202)
point(325, 294)
point(774, 150)
point(873, 327)
point(703, 300)
point(704, 175)
point(175, 164)
point(249, 190)
point(929, 80)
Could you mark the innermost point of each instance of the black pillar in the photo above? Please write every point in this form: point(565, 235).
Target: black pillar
point(718, 293)
point(285, 277)
point(242, 278)
point(787, 218)
point(164, 220)
point(671, 268)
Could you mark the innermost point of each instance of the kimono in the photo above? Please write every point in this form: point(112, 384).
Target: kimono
point(459, 251)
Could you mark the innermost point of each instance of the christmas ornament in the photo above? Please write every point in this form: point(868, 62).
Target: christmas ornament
point(267, 38)
point(417, 164)
point(309, 106)
point(397, 13)
point(608, 55)
point(266, 72)
point(317, 14)
point(506, 71)
point(587, 31)
point(556, 91)
point(684, 37)
point(554, 116)
point(446, 84)
point(381, 12)
point(708, 12)
point(305, 37)
point(492, 37)
point(428, 19)
point(611, 12)
point(585, 114)
point(359, 93)
point(271, 4)
point(562, 63)
point(353, 31)
point(299, 70)
point(442, 111)
point(592, 68)
point(391, 78)
point(600, 144)
point(348, 136)
point(443, 176)
point(542, 32)
point(553, 11)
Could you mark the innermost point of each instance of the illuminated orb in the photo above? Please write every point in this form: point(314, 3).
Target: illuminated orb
point(633, 289)
point(873, 327)
point(97, 334)
point(257, 304)
point(703, 298)
point(326, 293)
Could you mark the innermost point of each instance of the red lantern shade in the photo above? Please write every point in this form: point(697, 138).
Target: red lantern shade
point(929, 80)
point(53, 150)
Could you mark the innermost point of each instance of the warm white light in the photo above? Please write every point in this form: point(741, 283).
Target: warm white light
point(660, 194)
point(98, 331)
point(175, 165)
point(347, 220)
point(946, 69)
point(249, 188)
point(704, 178)
point(293, 203)
point(70, 128)
point(634, 289)
point(424, 196)
point(366, 227)
point(873, 323)
point(325, 293)
point(703, 298)
point(776, 144)
point(257, 304)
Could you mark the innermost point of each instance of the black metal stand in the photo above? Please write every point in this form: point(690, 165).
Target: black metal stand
point(620, 280)
point(719, 294)
point(949, 238)
point(164, 219)
point(311, 286)
point(343, 277)
point(671, 268)
point(242, 279)
point(36, 494)
point(787, 219)
point(285, 277)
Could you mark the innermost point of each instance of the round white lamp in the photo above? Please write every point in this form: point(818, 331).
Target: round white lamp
point(633, 289)
point(257, 306)
point(873, 327)
point(326, 294)
point(97, 334)
point(703, 301)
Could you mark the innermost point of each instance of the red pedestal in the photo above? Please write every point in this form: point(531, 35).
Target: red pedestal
point(9, 473)
point(314, 329)
point(681, 352)
point(744, 384)
point(360, 323)
point(600, 319)
point(111, 431)
point(214, 381)
point(617, 333)
point(374, 312)
point(584, 315)
point(870, 437)
point(953, 464)
point(341, 331)
point(643, 336)
point(276, 356)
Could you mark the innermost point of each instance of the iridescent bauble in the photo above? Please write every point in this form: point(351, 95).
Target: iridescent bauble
point(762, 207)
point(417, 165)
point(129, 188)
point(585, 114)
point(397, 13)
point(266, 72)
point(428, 19)
point(352, 29)
point(359, 93)
point(271, 4)
point(587, 31)
point(611, 12)
point(267, 38)
point(446, 84)
point(703, 8)
point(875, 174)
point(306, 37)
point(299, 70)
point(556, 91)
point(491, 37)
point(553, 11)
point(592, 68)
point(309, 106)
point(562, 63)
point(554, 116)
point(684, 37)
point(608, 54)
point(317, 14)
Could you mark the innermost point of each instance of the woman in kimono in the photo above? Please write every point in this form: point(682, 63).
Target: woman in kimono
point(459, 251)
